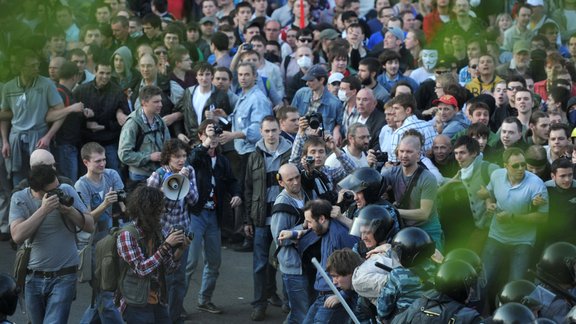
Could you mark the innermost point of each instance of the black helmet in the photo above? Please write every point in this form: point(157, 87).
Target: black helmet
point(378, 220)
point(413, 246)
point(8, 294)
point(467, 256)
point(513, 313)
point(518, 291)
point(364, 179)
point(455, 278)
point(543, 320)
point(553, 264)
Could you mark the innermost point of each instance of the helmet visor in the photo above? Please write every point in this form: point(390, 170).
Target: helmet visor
point(362, 226)
point(351, 182)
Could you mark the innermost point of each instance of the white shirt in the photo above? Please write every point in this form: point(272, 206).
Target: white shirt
point(198, 101)
point(333, 162)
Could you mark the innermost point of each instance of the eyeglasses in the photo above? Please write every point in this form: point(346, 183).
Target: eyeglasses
point(474, 66)
point(514, 88)
point(518, 165)
point(305, 40)
point(160, 52)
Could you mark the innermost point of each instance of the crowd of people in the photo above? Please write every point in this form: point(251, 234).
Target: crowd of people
point(418, 153)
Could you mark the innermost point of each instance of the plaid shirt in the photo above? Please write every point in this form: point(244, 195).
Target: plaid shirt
point(176, 212)
point(412, 122)
point(131, 252)
point(334, 175)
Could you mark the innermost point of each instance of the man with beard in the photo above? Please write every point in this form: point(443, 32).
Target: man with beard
point(358, 139)
point(368, 69)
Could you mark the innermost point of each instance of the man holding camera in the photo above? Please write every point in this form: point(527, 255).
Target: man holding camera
point(315, 98)
point(358, 140)
point(99, 189)
point(48, 213)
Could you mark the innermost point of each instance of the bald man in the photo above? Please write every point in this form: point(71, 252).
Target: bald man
point(417, 208)
point(443, 157)
point(42, 157)
point(287, 216)
point(373, 118)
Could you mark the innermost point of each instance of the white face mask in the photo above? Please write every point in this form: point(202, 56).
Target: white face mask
point(429, 59)
point(342, 95)
point(304, 62)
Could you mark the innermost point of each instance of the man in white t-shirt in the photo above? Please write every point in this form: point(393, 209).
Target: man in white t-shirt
point(358, 140)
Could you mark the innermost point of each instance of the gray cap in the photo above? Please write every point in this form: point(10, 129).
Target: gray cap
point(211, 20)
point(328, 33)
point(397, 32)
point(316, 71)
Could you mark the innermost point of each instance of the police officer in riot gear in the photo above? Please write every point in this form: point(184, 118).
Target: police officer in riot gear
point(513, 313)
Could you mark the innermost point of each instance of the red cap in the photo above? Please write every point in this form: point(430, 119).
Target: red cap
point(447, 99)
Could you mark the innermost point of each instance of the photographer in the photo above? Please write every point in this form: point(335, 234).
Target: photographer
point(146, 258)
point(176, 212)
point(47, 213)
point(100, 188)
point(309, 155)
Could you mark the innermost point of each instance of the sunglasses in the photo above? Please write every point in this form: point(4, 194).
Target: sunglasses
point(305, 40)
point(518, 165)
point(442, 71)
point(514, 88)
point(160, 52)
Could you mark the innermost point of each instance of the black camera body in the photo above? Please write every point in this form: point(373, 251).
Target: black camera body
point(381, 156)
point(188, 234)
point(309, 160)
point(121, 195)
point(314, 120)
point(63, 197)
point(248, 47)
point(218, 130)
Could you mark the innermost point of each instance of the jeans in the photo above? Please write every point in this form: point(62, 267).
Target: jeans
point(320, 314)
point(149, 314)
point(5, 192)
point(66, 156)
point(48, 300)
point(296, 287)
point(112, 160)
point(264, 273)
point(498, 256)
point(24, 170)
point(104, 310)
point(176, 289)
point(137, 177)
point(207, 242)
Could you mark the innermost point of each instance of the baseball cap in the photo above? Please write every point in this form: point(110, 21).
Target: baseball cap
point(252, 23)
point(211, 20)
point(328, 34)
point(337, 77)
point(446, 99)
point(521, 46)
point(314, 72)
point(398, 33)
point(535, 3)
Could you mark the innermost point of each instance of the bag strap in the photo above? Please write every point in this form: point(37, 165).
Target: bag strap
point(410, 187)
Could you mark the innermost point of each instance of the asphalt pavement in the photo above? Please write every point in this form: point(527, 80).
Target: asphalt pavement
point(233, 293)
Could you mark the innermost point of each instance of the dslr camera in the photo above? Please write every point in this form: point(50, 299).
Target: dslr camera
point(121, 195)
point(381, 156)
point(63, 197)
point(314, 120)
point(188, 234)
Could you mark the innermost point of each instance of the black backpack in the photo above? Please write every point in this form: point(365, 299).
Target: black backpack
point(435, 309)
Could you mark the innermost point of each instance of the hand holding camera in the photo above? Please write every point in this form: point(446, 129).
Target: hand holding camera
point(179, 237)
point(49, 202)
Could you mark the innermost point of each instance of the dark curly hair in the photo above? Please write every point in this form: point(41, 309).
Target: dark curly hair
point(145, 206)
point(171, 147)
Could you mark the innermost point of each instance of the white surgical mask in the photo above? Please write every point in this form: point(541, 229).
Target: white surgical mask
point(342, 95)
point(304, 62)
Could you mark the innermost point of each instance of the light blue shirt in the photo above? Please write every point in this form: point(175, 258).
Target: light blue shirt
point(516, 199)
point(250, 110)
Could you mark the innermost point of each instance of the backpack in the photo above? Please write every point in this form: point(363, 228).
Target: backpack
point(107, 273)
point(430, 310)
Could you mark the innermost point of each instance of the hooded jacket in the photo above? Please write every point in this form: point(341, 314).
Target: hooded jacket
point(123, 80)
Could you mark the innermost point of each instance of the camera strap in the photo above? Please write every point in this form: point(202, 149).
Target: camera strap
point(404, 202)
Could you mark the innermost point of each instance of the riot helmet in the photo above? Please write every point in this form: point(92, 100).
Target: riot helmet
point(518, 291)
point(8, 294)
point(366, 180)
point(456, 278)
point(413, 246)
point(467, 256)
point(553, 263)
point(377, 220)
point(513, 313)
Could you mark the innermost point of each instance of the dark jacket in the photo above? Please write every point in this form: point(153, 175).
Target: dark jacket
point(164, 84)
point(225, 181)
point(256, 184)
point(374, 123)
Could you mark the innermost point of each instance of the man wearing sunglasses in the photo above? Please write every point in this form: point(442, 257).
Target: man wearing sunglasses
point(518, 202)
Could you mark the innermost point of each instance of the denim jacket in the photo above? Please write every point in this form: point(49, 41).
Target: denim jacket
point(250, 110)
point(330, 107)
